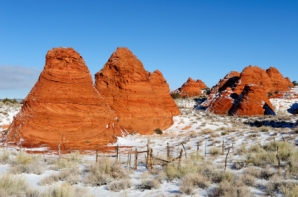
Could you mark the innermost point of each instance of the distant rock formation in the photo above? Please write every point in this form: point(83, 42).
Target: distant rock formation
point(140, 99)
point(190, 88)
point(64, 108)
point(237, 91)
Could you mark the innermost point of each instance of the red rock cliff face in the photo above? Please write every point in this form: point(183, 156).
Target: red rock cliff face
point(229, 81)
point(140, 99)
point(64, 107)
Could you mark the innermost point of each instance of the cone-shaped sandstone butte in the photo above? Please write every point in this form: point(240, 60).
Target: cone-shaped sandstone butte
point(64, 107)
point(190, 88)
point(237, 92)
point(140, 99)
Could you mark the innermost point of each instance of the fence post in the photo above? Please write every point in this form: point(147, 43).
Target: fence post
point(277, 157)
point(96, 153)
point(151, 158)
point(184, 149)
point(168, 151)
point(148, 154)
point(136, 160)
point(117, 154)
point(227, 158)
point(59, 153)
point(223, 147)
point(179, 160)
point(198, 148)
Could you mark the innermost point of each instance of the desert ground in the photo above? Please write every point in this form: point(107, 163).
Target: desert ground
point(201, 154)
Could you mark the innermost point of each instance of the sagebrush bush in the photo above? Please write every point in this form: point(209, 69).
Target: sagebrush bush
point(226, 189)
point(214, 151)
point(5, 157)
point(66, 190)
point(191, 181)
point(117, 186)
point(11, 185)
point(220, 176)
point(262, 158)
point(248, 180)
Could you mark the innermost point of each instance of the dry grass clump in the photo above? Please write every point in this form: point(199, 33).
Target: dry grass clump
point(214, 151)
point(285, 149)
point(11, 185)
point(248, 180)
point(149, 182)
point(262, 159)
point(104, 172)
point(289, 190)
point(5, 157)
point(70, 175)
point(264, 129)
point(227, 189)
point(238, 164)
point(117, 186)
point(25, 163)
point(206, 131)
point(191, 181)
point(220, 176)
point(66, 190)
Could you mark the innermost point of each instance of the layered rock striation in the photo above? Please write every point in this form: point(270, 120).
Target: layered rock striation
point(64, 108)
point(140, 99)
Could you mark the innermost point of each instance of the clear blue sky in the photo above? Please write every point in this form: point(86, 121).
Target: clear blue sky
point(202, 39)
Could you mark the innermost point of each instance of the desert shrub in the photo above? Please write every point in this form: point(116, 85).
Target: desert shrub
point(158, 131)
point(75, 157)
point(103, 172)
point(221, 176)
point(226, 189)
point(262, 158)
point(117, 186)
point(175, 95)
point(285, 149)
point(237, 165)
point(264, 129)
point(248, 180)
point(66, 190)
point(292, 168)
point(63, 163)
point(70, 175)
point(150, 184)
point(25, 163)
point(242, 150)
point(5, 157)
point(214, 151)
point(191, 181)
point(11, 185)
point(289, 190)
point(273, 184)
point(256, 148)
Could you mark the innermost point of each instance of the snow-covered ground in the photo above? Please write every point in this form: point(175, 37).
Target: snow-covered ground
point(194, 131)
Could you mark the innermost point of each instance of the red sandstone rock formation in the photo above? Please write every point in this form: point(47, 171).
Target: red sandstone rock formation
point(140, 99)
point(229, 81)
point(271, 79)
point(254, 79)
point(190, 88)
point(252, 101)
point(64, 107)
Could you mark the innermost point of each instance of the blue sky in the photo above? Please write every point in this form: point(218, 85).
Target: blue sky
point(202, 39)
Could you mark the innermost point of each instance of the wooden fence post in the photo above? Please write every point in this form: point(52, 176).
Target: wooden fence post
point(168, 151)
point(278, 157)
point(148, 153)
point(184, 149)
point(136, 160)
point(151, 159)
point(59, 153)
point(117, 154)
point(179, 160)
point(96, 153)
point(227, 158)
point(198, 147)
point(223, 147)
point(205, 148)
